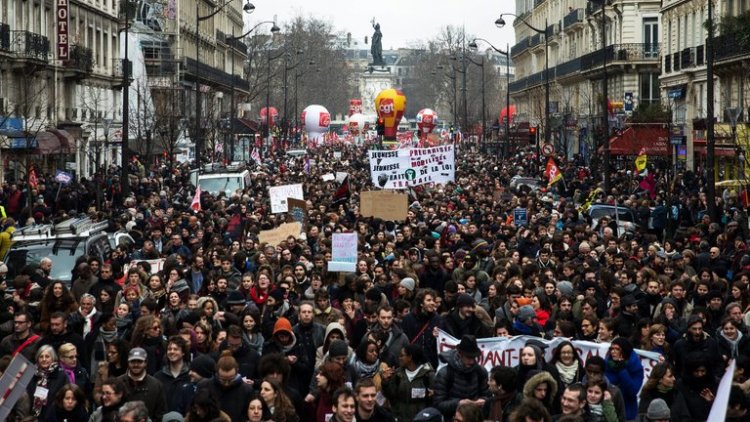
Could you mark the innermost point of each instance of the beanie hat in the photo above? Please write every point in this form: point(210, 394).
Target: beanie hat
point(234, 297)
point(408, 283)
point(203, 365)
point(525, 313)
point(658, 409)
point(565, 287)
point(338, 348)
point(373, 295)
point(694, 319)
point(465, 300)
point(282, 324)
point(625, 346)
point(278, 295)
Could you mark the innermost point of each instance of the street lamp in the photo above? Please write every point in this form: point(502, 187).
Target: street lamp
point(230, 40)
point(506, 53)
point(248, 8)
point(710, 140)
point(284, 120)
point(500, 22)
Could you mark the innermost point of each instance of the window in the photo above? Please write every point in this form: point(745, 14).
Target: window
point(651, 37)
point(649, 92)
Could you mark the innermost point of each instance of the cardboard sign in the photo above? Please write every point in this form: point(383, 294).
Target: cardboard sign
point(389, 206)
point(279, 195)
point(343, 253)
point(275, 236)
point(298, 210)
point(13, 383)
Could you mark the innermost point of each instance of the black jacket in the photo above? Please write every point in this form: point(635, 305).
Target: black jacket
point(233, 399)
point(173, 386)
point(246, 357)
point(457, 327)
point(150, 391)
point(455, 382)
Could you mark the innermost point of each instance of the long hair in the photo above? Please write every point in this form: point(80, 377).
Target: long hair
point(77, 393)
point(282, 406)
point(142, 325)
point(50, 304)
point(655, 328)
point(334, 373)
point(657, 373)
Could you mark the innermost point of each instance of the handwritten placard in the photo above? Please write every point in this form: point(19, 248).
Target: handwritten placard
point(279, 195)
point(343, 252)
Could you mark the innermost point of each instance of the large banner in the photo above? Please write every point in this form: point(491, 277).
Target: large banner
point(404, 168)
point(507, 351)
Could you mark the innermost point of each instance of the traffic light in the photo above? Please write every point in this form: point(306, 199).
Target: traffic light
point(381, 127)
point(532, 135)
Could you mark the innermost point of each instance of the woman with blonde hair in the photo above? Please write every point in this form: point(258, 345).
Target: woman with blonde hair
point(147, 334)
point(656, 340)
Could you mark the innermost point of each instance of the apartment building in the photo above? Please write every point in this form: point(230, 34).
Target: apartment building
point(576, 61)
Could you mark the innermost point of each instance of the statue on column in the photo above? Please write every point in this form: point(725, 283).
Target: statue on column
point(377, 45)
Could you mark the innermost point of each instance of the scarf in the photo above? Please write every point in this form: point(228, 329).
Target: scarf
point(364, 370)
point(616, 366)
point(42, 376)
point(258, 296)
point(732, 343)
point(522, 328)
point(596, 409)
point(325, 311)
point(108, 336)
point(567, 372)
point(662, 389)
point(70, 372)
point(88, 322)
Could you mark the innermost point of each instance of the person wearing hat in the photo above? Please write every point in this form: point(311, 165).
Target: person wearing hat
point(624, 370)
point(429, 414)
point(696, 340)
point(658, 411)
point(462, 379)
point(202, 367)
point(141, 386)
point(525, 322)
point(462, 320)
point(695, 390)
point(277, 306)
point(470, 266)
point(627, 319)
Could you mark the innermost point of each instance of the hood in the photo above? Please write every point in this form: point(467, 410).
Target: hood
point(539, 378)
point(282, 324)
point(335, 326)
point(451, 358)
point(10, 229)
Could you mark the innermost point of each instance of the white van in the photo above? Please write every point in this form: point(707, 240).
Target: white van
point(219, 180)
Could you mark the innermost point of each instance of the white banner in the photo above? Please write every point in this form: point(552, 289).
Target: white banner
point(721, 400)
point(343, 252)
point(279, 194)
point(403, 168)
point(507, 351)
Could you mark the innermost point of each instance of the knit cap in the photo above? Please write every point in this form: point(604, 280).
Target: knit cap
point(526, 313)
point(338, 348)
point(408, 283)
point(658, 410)
point(203, 365)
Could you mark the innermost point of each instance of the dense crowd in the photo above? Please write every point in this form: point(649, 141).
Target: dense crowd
point(231, 329)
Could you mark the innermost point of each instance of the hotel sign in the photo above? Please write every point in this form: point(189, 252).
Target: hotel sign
point(63, 29)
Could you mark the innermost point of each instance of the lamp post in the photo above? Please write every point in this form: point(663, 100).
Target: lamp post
point(710, 140)
point(248, 8)
point(124, 150)
point(506, 53)
point(267, 133)
point(500, 22)
point(230, 41)
point(284, 120)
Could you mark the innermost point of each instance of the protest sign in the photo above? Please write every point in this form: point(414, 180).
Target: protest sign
point(403, 168)
point(507, 351)
point(343, 252)
point(157, 265)
point(279, 194)
point(520, 217)
point(275, 236)
point(13, 384)
point(329, 177)
point(387, 205)
point(721, 400)
point(298, 210)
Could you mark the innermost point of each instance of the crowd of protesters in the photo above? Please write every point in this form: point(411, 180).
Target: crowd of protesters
point(231, 329)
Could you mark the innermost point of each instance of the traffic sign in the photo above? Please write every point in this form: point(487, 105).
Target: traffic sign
point(548, 149)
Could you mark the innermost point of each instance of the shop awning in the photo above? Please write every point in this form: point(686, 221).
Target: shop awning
point(67, 142)
point(47, 143)
point(651, 139)
point(720, 150)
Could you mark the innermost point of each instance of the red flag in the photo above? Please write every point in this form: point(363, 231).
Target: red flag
point(552, 172)
point(196, 204)
point(33, 182)
point(342, 194)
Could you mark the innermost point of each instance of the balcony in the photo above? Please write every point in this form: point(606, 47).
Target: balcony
point(573, 18)
point(592, 8)
point(4, 37)
point(28, 45)
point(81, 61)
point(731, 46)
point(686, 58)
point(700, 55)
point(535, 40)
point(215, 76)
point(567, 68)
point(236, 44)
point(519, 47)
point(538, 3)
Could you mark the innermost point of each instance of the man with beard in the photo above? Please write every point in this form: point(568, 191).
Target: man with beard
point(244, 355)
point(196, 274)
point(695, 391)
point(106, 278)
point(651, 300)
point(141, 386)
point(310, 336)
point(695, 340)
point(277, 306)
point(58, 335)
point(419, 325)
point(301, 280)
point(463, 320)
point(625, 323)
point(227, 270)
point(433, 276)
point(470, 266)
point(462, 380)
point(714, 310)
point(502, 387)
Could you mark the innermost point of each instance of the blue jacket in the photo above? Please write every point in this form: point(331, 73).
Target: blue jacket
point(629, 379)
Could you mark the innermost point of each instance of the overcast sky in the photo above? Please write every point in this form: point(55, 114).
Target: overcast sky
point(402, 22)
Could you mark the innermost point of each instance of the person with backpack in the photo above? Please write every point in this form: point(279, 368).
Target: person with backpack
point(462, 379)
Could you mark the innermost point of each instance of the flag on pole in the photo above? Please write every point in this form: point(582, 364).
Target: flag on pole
point(307, 166)
point(342, 194)
point(33, 181)
point(552, 172)
point(255, 155)
point(641, 160)
point(196, 204)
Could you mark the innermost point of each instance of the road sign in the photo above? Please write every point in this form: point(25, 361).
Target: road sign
point(548, 149)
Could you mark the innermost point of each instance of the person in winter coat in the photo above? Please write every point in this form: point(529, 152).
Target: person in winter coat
point(113, 392)
point(696, 390)
point(462, 379)
point(623, 368)
point(462, 320)
point(420, 324)
point(48, 376)
point(70, 405)
point(732, 342)
point(540, 386)
point(407, 387)
point(247, 358)
point(660, 385)
point(599, 405)
point(334, 331)
point(697, 340)
point(174, 375)
point(141, 386)
point(228, 387)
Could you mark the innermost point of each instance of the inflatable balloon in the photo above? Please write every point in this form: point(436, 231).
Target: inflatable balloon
point(426, 120)
point(356, 123)
point(355, 106)
point(316, 119)
point(504, 113)
point(264, 113)
point(390, 105)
